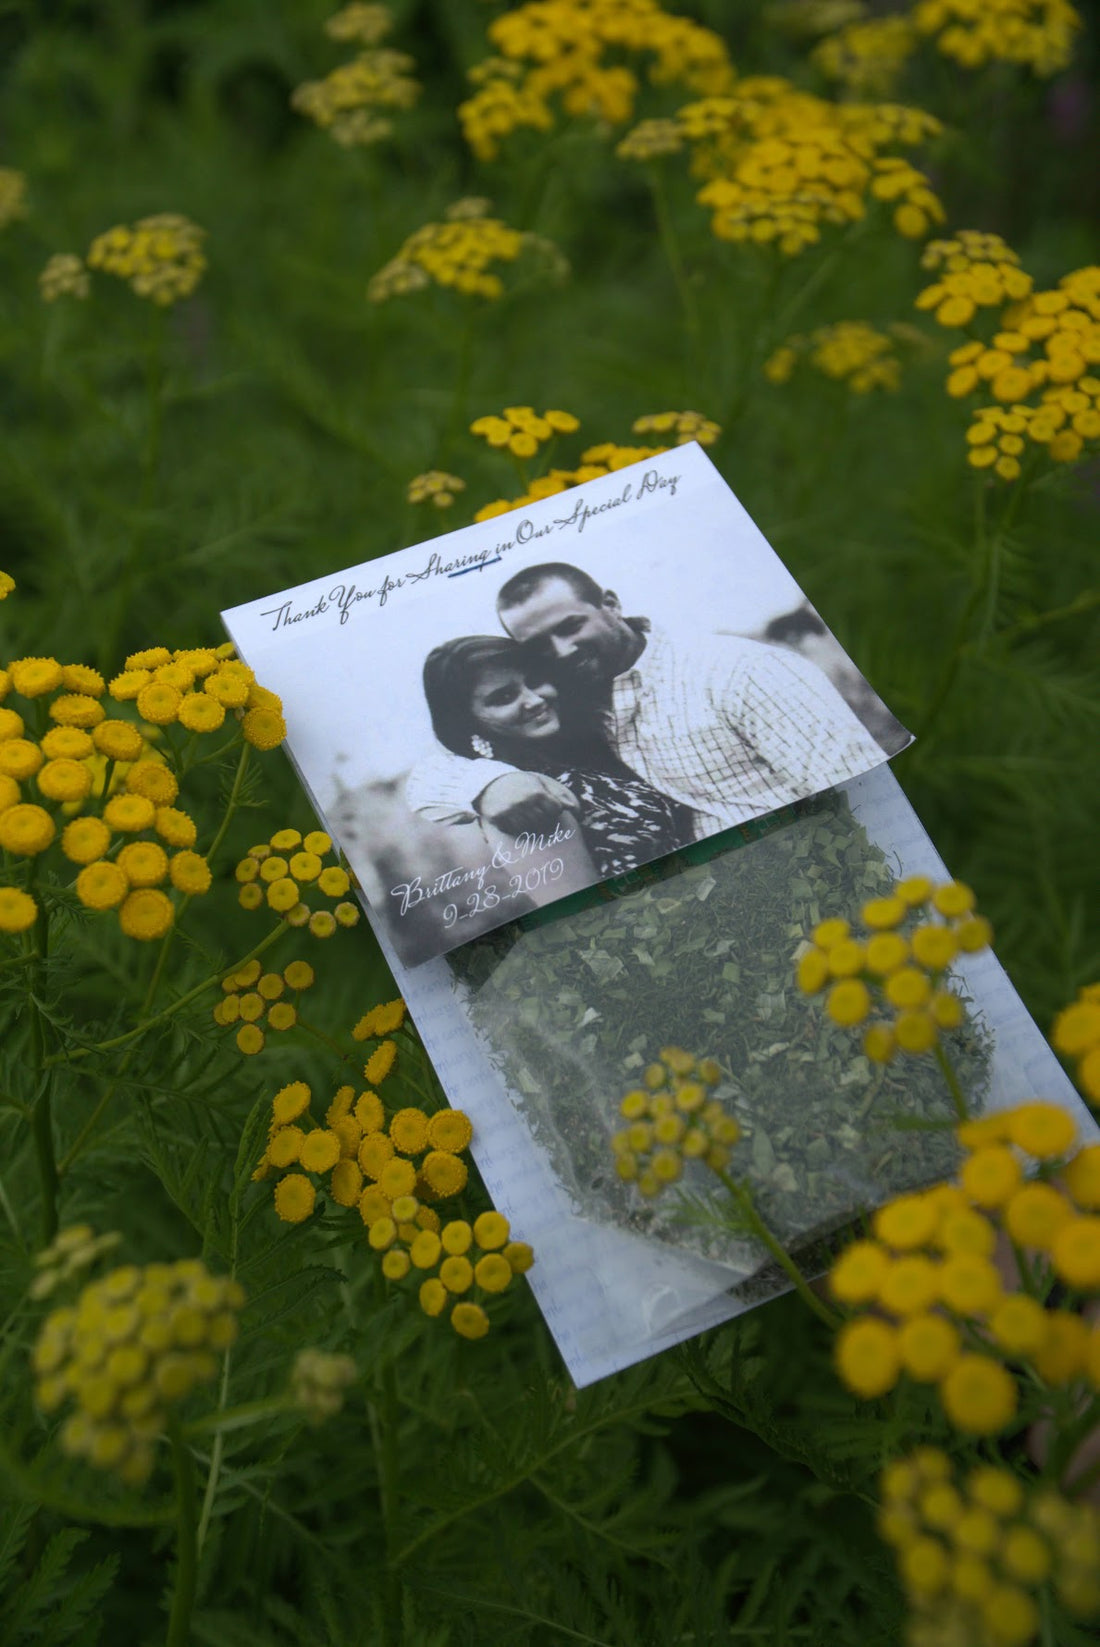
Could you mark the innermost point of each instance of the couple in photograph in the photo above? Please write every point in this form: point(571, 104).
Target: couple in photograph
point(578, 712)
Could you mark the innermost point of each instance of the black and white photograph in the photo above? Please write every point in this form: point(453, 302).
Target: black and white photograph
point(571, 691)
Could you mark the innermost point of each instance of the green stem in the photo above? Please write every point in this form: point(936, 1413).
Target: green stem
point(187, 1555)
point(176, 1006)
point(383, 1423)
point(224, 1419)
point(319, 1035)
point(669, 244)
point(232, 803)
point(743, 1197)
point(77, 1147)
point(42, 1108)
point(952, 1082)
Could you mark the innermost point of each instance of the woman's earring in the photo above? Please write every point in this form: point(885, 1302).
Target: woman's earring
point(481, 746)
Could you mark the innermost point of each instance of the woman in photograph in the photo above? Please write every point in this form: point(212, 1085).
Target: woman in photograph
point(486, 703)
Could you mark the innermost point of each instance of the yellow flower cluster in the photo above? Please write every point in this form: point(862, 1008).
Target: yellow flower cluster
point(1077, 1035)
point(973, 1552)
point(472, 1262)
point(194, 686)
point(346, 102)
point(1037, 33)
point(160, 257)
point(64, 276)
point(596, 461)
point(437, 486)
point(371, 1161)
point(360, 21)
point(13, 195)
point(573, 50)
point(913, 936)
point(651, 140)
point(867, 56)
point(318, 1380)
point(134, 1344)
point(849, 351)
point(72, 1250)
point(942, 1313)
point(284, 872)
point(253, 997)
point(672, 1119)
point(457, 253)
point(383, 1019)
point(807, 18)
point(782, 163)
point(7, 584)
point(1066, 418)
point(521, 430)
point(87, 756)
point(977, 270)
point(685, 426)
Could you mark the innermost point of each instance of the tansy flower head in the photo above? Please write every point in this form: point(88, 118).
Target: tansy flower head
point(318, 1381)
point(435, 487)
point(160, 257)
point(136, 1343)
point(672, 1121)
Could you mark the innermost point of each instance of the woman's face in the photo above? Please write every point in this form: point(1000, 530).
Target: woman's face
point(504, 704)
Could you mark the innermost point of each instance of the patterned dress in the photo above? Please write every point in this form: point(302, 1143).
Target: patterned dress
point(624, 820)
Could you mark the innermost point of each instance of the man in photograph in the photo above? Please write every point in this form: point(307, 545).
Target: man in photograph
point(729, 728)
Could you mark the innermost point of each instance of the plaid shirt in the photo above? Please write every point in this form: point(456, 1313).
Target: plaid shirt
point(730, 727)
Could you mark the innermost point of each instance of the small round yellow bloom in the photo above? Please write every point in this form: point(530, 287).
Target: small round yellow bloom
point(373, 1205)
point(396, 1264)
point(879, 1044)
point(250, 897)
point(858, 1273)
point(907, 988)
point(370, 1113)
point(930, 1346)
point(991, 1175)
point(66, 743)
point(282, 1016)
point(282, 894)
point(382, 1233)
point(1043, 1130)
point(190, 873)
point(85, 839)
point(456, 1237)
point(826, 934)
point(935, 947)
point(1082, 1178)
point(290, 1102)
point(974, 934)
point(970, 1284)
point(380, 1062)
point(909, 1286)
point(425, 1249)
point(450, 1130)
point(333, 882)
point(398, 1177)
point(295, 1198)
point(118, 740)
point(907, 1222)
point(26, 829)
point(146, 914)
point(953, 899)
point(978, 1395)
point(262, 728)
point(20, 758)
point(64, 780)
point(848, 1002)
point(154, 780)
point(886, 952)
point(174, 826)
point(320, 1150)
point(409, 1131)
point(813, 971)
point(298, 975)
point(346, 1183)
point(284, 1146)
point(1034, 1215)
point(250, 1039)
point(432, 1296)
point(129, 813)
point(914, 891)
point(31, 677)
point(469, 1320)
point(18, 910)
point(1075, 1253)
point(493, 1273)
point(375, 1152)
point(1019, 1325)
point(915, 1031)
point(491, 1231)
point(996, 1489)
point(285, 840)
point(457, 1273)
point(144, 863)
point(159, 703)
point(1010, 1616)
point(868, 1357)
point(882, 913)
point(964, 1230)
point(1063, 1354)
point(846, 959)
point(72, 709)
point(199, 712)
point(923, 1564)
point(321, 923)
point(445, 1174)
point(101, 886)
